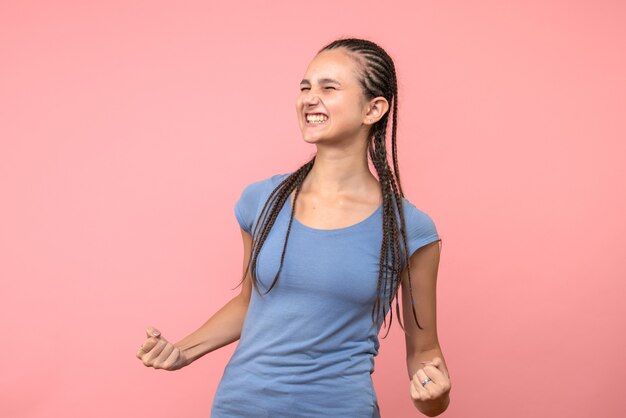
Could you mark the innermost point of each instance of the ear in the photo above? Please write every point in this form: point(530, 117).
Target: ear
point(378, 106)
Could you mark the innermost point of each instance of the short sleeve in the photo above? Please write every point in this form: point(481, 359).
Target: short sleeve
point(420, 227)
point(247, 206)
point(253, 196)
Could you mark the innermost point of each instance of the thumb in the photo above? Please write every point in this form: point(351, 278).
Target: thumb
point(153, 332)
point(438, 363)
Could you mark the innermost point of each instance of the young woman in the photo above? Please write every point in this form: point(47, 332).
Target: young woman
point(327, 248)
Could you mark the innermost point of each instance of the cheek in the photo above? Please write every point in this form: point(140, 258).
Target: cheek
point(341, 109)
point(349, 110)
point(349, 116)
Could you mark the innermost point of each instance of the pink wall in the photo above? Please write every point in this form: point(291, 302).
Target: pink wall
point(128, 131)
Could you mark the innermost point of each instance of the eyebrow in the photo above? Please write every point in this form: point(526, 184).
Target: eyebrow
point(321, 81)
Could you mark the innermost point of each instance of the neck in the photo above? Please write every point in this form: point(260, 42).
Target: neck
point(340, 171)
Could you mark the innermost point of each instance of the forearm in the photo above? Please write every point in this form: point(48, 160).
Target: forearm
point(223, 328)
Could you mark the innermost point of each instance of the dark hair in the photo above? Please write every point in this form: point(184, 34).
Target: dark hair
point(377, 76)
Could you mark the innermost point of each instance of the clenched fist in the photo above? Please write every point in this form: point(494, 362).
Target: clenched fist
point(159, 353)
point(430, 384)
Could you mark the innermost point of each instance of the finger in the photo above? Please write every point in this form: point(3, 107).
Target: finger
point(417, 383)
point(434, 388)
point(415, 393)
point(142, 351)
point(149, 344)
point(148, 358)
point(153, 332)
point(434, 374)
point(438, 363)
point(172, 359)
point(441, 380)
point(421, 377)
point(165, 353)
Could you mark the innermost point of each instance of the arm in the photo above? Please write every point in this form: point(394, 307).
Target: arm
point(422, 345)
point(224, 327)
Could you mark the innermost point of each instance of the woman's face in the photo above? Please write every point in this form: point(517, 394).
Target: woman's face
point(330, 90)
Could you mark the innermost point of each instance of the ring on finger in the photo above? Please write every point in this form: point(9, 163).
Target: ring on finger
point(428, 379)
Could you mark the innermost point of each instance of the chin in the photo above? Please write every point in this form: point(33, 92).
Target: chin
point(310, 140)
point(313, 139)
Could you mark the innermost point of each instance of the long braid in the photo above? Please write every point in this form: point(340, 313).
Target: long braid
point(267, 217)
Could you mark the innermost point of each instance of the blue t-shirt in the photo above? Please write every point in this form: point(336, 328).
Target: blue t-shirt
point(307, 347)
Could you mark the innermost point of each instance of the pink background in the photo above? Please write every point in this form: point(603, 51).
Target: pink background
point(128, 130)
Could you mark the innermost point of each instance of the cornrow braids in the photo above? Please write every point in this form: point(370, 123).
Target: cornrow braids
point(377, 77)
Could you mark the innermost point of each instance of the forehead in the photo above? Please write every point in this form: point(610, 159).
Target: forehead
point(334, 63)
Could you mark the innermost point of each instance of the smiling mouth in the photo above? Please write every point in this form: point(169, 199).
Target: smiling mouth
point(315, 119)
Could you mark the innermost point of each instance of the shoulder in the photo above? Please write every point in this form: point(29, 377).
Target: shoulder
point(420, 226)
point(263, 185)
point(416, 216)
point(252, 197)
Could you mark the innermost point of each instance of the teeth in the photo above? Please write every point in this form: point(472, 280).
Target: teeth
point(317, 118)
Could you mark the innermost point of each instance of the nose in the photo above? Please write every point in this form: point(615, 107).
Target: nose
point(310, 99)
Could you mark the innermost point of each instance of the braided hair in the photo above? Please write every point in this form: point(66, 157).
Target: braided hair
point(377, 77)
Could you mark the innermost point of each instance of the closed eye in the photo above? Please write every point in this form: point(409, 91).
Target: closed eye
point(325, 88)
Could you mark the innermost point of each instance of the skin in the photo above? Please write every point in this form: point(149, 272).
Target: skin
point(340, 190)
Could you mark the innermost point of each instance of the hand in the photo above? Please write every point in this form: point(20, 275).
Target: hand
point(159, 353)
point(433, 393)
